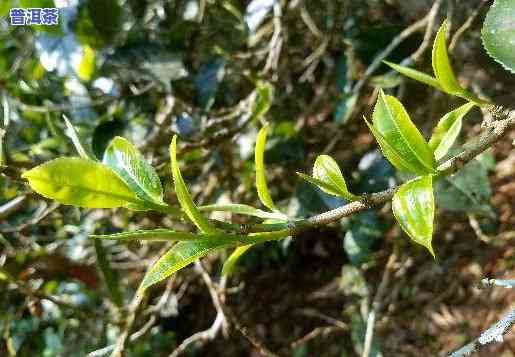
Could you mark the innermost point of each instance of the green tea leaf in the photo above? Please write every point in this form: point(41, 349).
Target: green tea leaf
point(184, 196)
point(77, 142)
point(325, 186)
point(261, 185)
point(414, 74)
point(413, 206)
point(179, 256)
point(498, 33)
point(80, 182)
point(230, 263)
point(159, 234)
point(441, 64)
point(399, 138)
point(140, 176)
point(87, 64)
point(447, 130)
point(326, 169)
point(242, 209)
point(263, 102)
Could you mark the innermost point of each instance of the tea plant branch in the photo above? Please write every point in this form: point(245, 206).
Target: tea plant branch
point(466, 25)
point(220, 321)
point(376, 304)
point(129, 322)
point(494, 333)
point(503, 121)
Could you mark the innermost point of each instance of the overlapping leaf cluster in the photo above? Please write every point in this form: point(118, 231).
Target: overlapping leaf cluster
point(125, 179)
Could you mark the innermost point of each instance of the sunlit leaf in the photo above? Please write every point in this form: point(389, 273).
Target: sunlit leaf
point(328, 177)
point(87, 64)
point(447, 130)
point(127, 161)
point(262, 187)
point(498, 33)
point(414, 74)
point(184, 196)
point(77, 142)
point(80, 182)
point(324, 186)
point(413, 206)
point(399, 138)
point(230, 263)
point(441, 64)
point(159, 234)
point(263, 102)
point(242, 209)
point(179, 256)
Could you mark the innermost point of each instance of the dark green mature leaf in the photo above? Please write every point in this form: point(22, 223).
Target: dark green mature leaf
point(98, 22)
point(207, 81)
point(80, 182)
point(414, 74)
point(399, 138)
point(441, 64)
point(259, 155)
point(498, 33)
point(179, 256)
point(184, 196)
point(468, 190)
point(447, 130)
point(413, 206)
point(159, 234)
point(140, 176)
point(242, 209)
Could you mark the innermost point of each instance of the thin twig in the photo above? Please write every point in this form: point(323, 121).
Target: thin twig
point(129, 322)
point(376, 303)
point(466, 25)
point(495, 333)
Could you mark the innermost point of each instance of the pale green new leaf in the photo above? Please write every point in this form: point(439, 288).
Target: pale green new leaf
point(441, 64)
point(326, 169)
point(184, 196)
point(325, 186)
point(447, 130)
point(241, 209)
point(77, 142)
point(181, 255)
point(414, 74)
point(80, 182)
point(159, 234)
point(263, 102)
point(127, 161)
point(262, 187)
point(399, 138)
point(413, 206)
point(230, 263)
point(498, 33)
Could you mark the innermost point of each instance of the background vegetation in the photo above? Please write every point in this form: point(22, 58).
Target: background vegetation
point(204, 70)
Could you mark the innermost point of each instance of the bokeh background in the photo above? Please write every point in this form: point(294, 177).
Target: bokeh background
point(149, 69)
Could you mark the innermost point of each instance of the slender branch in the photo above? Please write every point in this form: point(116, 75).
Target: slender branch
point(494, 334)
point(503, 121)
point(129, 322)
